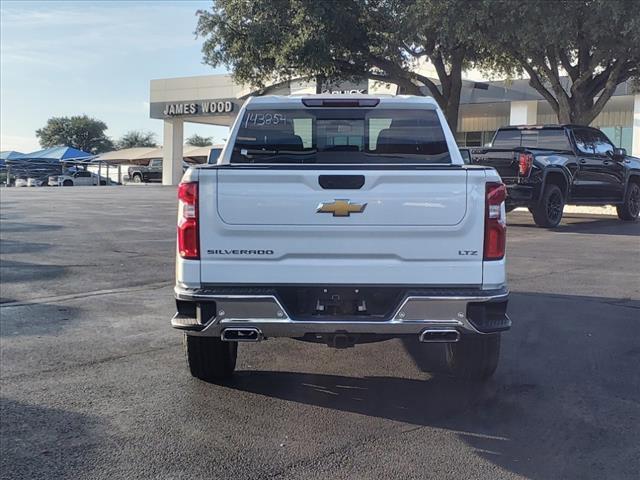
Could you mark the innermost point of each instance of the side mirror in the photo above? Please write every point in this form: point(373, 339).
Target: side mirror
point(619, 153)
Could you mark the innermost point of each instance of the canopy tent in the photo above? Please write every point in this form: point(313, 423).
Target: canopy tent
point(194, 152)
point(128, 155)
point(140, 155)
point(50, 161)
point(8, 155)
point(54, 155)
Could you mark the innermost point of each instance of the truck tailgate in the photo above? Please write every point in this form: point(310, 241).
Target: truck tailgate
point(401, 197)
point(505, 161)
point(266, 226)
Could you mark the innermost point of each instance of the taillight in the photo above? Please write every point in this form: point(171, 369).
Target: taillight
point(495, 228)
point(525, 161)
point(188, 235)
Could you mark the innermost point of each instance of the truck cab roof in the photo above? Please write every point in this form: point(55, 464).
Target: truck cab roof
point(384, 100)
point(548, 126)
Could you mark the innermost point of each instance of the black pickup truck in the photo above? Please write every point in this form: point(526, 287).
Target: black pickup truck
point(547, 167)
point(152, 172)
point(146, 173)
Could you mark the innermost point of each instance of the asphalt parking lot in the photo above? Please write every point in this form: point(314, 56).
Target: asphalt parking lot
point(94, 383)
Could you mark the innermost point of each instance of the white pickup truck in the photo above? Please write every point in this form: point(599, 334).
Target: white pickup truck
point(341, 220)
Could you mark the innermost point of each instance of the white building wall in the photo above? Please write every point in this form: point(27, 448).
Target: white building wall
point(172, 151)
point(523, 113)
point(302, 86)
point(468, 123)
point(203, 87)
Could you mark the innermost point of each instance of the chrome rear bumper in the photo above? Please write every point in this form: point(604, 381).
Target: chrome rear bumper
point(266, 313)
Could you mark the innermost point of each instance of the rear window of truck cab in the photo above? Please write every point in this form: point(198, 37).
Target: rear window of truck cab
point(547, 138)
point(340, 136)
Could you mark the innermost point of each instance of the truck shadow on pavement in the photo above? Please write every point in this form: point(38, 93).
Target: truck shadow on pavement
point(561, 404)
point(496, 420)
point(420, 402)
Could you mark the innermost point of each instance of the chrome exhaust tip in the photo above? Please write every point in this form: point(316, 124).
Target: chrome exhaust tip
point(442, 335)
point(241, 334)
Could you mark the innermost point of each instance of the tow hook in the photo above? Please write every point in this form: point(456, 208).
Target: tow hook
point(341, 340)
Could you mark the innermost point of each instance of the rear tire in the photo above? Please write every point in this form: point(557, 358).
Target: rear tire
point(547, 212)
point(137, 178)
point(630, 209)
point(209, 358)
point(474, 357)
point(67, 183)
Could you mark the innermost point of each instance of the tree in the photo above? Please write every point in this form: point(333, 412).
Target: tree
point(196, 140)
point(80, 131)
point(575, 52)
point(137, 138)
point(275, 40)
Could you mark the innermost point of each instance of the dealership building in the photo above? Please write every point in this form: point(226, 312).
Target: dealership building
point(484, 107)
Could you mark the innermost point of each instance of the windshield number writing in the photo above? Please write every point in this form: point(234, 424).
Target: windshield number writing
point(261, 119)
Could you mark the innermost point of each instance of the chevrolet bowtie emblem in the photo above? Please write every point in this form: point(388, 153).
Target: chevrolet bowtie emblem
point(341, 208)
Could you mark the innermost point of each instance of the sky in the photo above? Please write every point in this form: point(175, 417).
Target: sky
point(95, 58)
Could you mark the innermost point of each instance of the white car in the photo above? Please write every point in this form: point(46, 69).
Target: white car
point(35, 182)
point(341, 220)
point(21, 182)
point(78, 178)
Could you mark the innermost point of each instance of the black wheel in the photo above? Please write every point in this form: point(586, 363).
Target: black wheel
point(137, 178)
point(67, 183)
point(209, 358)
point(473, 357)
point(103, 182)
point(548, 211)
point(630, 209)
